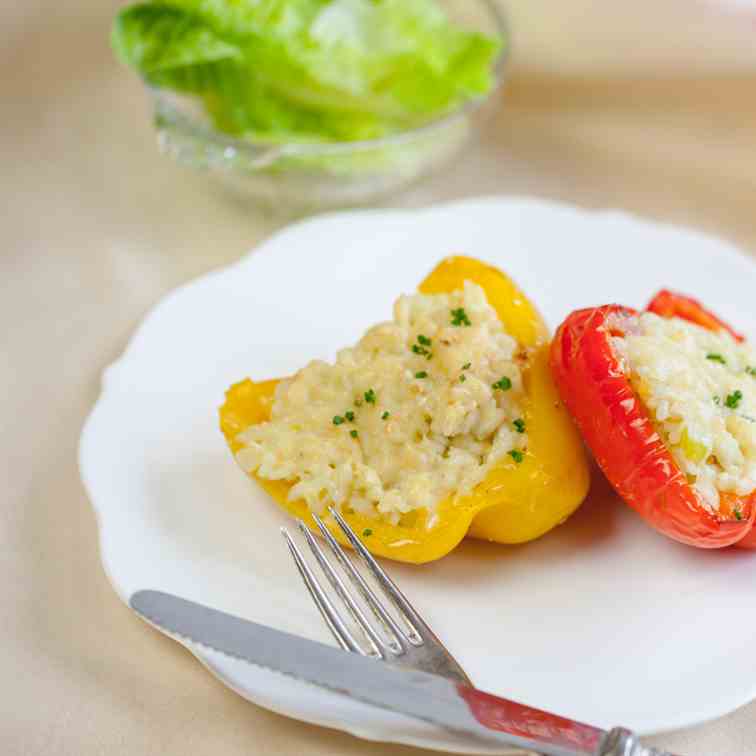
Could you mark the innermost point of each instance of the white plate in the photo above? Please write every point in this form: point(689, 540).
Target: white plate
point(601, 620)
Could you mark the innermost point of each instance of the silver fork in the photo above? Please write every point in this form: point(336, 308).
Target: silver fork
point(414, 645)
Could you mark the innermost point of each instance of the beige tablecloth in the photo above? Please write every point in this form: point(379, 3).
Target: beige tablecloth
point(95, 229)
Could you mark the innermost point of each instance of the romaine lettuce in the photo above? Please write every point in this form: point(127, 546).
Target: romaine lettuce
point(330, 70)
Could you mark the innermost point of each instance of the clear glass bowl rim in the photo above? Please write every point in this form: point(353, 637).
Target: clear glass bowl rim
point(265, 152)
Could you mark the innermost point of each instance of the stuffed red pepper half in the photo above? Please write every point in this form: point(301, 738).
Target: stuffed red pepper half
point(666, 401)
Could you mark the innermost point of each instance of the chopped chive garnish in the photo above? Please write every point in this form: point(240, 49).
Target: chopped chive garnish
point(751, 371)
point(738, 514)
point(714, 357)
point(420, 347)
point(733, 400)
point(503, 384)
point(370, 396)
point(717, 399)
point(338, 420)
point(353, 433)
point(516, 455)
point(367, 533)
point(459, 317)
point(421, 374)
point(519, 425)
point(462, 378)
point(385, 416)
point(349, 416)
point(467, 366)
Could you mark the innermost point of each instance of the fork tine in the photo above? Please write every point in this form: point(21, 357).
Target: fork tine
point(419, 630)
point(398, 643)
point(376, 642)
point(340, 631)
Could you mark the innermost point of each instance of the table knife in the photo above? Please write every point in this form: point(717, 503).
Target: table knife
point(455, 707)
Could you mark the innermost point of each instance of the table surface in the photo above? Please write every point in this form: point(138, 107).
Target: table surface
point(96, 229)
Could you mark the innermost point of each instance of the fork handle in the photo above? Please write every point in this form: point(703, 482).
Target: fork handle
point(622, 742)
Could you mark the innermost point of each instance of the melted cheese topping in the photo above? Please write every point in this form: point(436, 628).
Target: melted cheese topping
point(417, 412)
point(700, 389)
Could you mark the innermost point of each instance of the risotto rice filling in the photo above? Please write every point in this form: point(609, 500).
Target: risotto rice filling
point(417, 412)
point(700, 388)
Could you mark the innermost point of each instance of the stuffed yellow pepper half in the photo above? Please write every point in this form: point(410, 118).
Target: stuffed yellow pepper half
point(440, 423)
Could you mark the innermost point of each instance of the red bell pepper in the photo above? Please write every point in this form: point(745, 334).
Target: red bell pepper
point(619, 430)
point(668, 304)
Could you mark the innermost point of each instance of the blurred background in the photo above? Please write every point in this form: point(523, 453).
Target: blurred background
point(647, 106)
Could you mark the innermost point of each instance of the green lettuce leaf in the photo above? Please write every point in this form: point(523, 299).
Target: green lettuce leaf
point(245, 19)
point(154, 38)
point(309, 69)
point(257, 112)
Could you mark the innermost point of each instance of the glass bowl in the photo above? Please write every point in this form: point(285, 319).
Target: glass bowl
point(310, 176)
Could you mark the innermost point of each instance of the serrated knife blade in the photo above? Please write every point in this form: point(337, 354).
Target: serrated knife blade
point(452, 706)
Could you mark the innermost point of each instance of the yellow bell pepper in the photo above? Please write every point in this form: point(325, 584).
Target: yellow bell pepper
point(516, 502)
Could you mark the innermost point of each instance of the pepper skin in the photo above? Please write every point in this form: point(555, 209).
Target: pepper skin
point(620, 432)
point(516, 502)
point(529, 499)
point(668, 304)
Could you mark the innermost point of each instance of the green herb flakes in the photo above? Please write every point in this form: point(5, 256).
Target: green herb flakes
point(338, 420)
point(370, 396)
point(733, 400)
point(714, 357)
point(459, 317)
point(421, 347)
point(367, 533)
point(503, 384)
point(353, 433)
point(519, 425)
point(421, 374)
point(516, 455)
point(385, 416)
point(349, 416)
